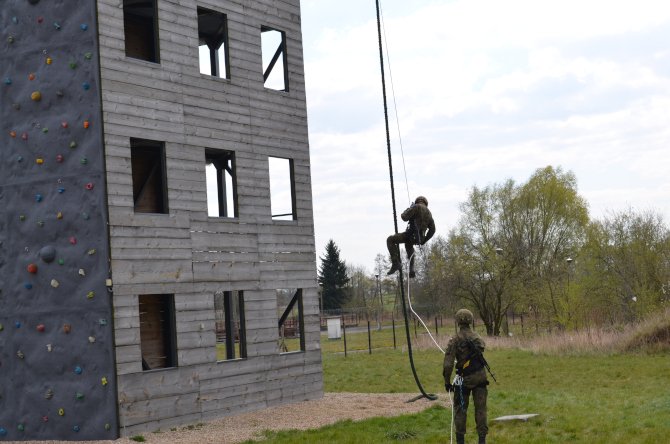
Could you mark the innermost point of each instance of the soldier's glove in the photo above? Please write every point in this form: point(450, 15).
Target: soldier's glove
point(448, 387)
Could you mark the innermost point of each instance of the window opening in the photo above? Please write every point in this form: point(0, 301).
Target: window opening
point(213, 43)
point(282, 189)
point(221, 183)
point(275, 61)
point(231, 342)
point(147, 158)
point(291, 325)
point(157, 331)
point(140, 27)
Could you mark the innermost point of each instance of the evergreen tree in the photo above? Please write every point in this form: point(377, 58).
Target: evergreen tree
point(332, 278)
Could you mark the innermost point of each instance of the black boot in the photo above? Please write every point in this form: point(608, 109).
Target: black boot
point(395, 266)
point(482, 439)
point(460, 439)
point(412, 275)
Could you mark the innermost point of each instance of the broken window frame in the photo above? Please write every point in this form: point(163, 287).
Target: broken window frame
point(224, 162)
point(279, 52)
point(234, 330)
point(222, 41)
point(168, 330)
point(291, 172)
point(284, 323)
point(154, 45)
point(137, 147)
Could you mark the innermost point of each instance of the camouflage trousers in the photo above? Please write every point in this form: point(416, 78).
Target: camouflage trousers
point(393, 244)
point(479, 395)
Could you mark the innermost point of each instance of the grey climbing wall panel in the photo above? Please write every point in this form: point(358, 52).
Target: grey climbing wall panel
point(57, 372)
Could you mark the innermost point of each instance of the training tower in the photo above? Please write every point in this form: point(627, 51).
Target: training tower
point(157, 260)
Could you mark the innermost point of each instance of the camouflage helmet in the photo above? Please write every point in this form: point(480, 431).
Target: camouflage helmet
point(464, 317)
point(421, 199)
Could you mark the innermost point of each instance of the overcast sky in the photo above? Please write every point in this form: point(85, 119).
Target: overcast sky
point(485, 90)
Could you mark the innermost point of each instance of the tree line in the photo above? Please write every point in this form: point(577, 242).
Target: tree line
point(532, 249)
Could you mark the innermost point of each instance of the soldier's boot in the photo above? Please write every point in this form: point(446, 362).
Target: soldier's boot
point(460, 439)
point(412, 274)
point(482, 439)
point(395, 266)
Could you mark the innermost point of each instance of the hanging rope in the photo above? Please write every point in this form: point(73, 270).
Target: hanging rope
point(395, 217)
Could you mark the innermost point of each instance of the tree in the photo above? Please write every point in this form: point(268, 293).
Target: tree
point(512, 244)
point(332, 278)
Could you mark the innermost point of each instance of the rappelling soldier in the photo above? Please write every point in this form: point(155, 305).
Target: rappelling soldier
point(466, 351)
point(420, 229)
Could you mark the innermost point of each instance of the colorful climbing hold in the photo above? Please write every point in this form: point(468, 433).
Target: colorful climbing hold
point(36, 96)
point(89, 186)
point(40, 19)
point(48, 254)
point(73, 144)
point(88, 55)
point(20, 354)
point(76, 428)
point(78, 370)
point(55, 283)
point(45, 419)
point(8, 81)
point(28, 286)
point(3, 431)
point(2, 327)
point(85, 216)
point(104, 381)
point(102, 322)
point(108, 426)
point(67, 328)
point(82, 272)
point(31, 76)
point(40, 328)
point(12, 134)
point(19, 159)
point(86, 124)
point(73, 65)
point(91, 252)
point(24, 136)
point(86, 86)
point(49, 348)
point(90, 295)
point(49, 394)
point(61, 261)
point(83, 160)
point(10, 39)
point(38, 198)
point(63, 124)
point(59, 158)
point(73, 240)
point(32, 268)
point(49, 61)
point(21, 427)
point(61, 190)
point(61, 412)
point(91, 339)
point(40, 223)
point(79, 396)
point(39, 161)
point(59, 215)
point(57, 26)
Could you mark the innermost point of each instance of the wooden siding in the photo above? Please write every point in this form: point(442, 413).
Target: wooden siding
point(187, 253)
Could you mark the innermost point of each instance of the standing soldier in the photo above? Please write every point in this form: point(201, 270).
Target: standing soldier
point(420, 220)
point(465, 349)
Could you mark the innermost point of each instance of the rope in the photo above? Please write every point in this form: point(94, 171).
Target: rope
point(432, 397)
point(395, 104)
point(409, 300)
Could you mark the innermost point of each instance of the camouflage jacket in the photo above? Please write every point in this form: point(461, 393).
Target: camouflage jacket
point(458, 352)
point(420, 219)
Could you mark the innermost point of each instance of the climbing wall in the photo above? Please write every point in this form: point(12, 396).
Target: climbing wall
point(57, 377)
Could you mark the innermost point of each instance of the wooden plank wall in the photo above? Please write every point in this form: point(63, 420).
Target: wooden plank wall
point(187, 253)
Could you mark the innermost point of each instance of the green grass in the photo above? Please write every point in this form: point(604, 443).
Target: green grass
point(598, 398)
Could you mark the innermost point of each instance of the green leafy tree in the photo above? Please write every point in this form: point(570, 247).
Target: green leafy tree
point(333, 278)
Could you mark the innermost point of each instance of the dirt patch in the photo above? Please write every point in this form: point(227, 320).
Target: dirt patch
point(305, 415)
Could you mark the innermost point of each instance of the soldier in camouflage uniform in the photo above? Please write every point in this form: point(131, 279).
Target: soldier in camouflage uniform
point(464, 349)
point(420, 229)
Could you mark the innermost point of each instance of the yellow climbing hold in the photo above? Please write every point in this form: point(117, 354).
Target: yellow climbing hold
point(36, 96)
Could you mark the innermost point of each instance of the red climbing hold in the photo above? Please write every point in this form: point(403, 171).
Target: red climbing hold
point(32, 268)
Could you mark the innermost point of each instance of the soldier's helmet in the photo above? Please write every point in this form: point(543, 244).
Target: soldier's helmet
point(422, 200)
point(464, 317)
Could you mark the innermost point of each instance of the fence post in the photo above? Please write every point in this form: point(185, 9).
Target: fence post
point(344, 332)
point(393, 324)
point(436, 332)
point(369, 339)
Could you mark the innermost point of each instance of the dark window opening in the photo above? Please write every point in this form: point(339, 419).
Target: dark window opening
point(291, 325)
point(275, 61)
point(148, 170)
point(221, 183)
point(140, 24)
point(213, 43)
point(157, 331)
point(282, 189)
point(231, 342)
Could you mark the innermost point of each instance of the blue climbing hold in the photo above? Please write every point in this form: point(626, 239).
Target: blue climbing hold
point(17, 324)
point(28, 285)
point(3, 431)
point(78, 370)
point(38, 198)
point(8, 81)
point(86, 86)
point(83, 26)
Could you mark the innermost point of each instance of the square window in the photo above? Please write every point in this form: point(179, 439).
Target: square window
point(140, 26)
point(147, 158)
point(282, 189)
point(157, 331)
point(275, 61)
point(213, 43)
point(221, 183)
point(231, 340)
point(291, 325)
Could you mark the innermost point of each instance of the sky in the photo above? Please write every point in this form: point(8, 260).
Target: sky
point(485, 91)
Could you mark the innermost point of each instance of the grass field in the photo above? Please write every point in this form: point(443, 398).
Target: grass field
point(595, 398)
